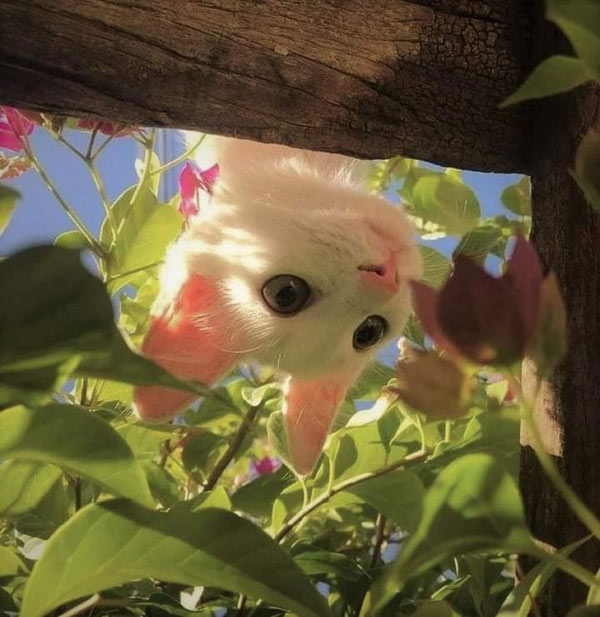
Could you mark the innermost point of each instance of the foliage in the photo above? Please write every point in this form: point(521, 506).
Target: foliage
point(412, 510)
point(580, 22)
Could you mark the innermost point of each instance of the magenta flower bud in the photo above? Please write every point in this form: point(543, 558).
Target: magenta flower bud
point(13, 126)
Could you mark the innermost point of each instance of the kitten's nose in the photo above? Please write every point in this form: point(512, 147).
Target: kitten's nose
point(384, 276)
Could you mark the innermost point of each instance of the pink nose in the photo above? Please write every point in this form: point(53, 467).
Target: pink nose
point(383, 276)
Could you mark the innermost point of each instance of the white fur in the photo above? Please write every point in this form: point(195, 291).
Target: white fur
point(276, 210)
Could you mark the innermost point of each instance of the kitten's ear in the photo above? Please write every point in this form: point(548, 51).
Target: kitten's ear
point(311, 408)
point(193, 340)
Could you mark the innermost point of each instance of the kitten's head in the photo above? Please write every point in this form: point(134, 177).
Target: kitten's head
point(313, 268)
point(293, 265)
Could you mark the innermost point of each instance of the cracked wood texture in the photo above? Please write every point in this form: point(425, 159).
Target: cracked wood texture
point(566, 232)
point(368, 78)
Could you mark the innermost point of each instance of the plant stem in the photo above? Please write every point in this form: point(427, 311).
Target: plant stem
point(94, 244)
point(101, 147)
point(186, 155)
point(415, 457)
point(149, 146)
point(110, 217)
point(447, 431)
point(115, 277)
point(91, 167)
point(379, 539)
point(90, 147)
point(241, 605)
point(566, 565)
point(585, 515)
point(232, 448)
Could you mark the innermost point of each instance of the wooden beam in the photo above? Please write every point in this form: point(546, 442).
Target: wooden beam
point(369, 78)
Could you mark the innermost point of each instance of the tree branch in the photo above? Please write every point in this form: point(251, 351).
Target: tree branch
point(415, 457)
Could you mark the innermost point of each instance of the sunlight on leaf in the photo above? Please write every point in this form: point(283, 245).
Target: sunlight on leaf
point(77, 441)
point(108, 544)
point(554, 75)
point(8, 203)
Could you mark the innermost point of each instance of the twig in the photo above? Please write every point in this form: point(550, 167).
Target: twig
point(101, 147)
point(90, 147)
point(379, 539)
point(91, 167)
point(94, 244)
point(110, 216)
point(149, 145)
point(165, 452)
point(232, 448)
point(415, 457)
point(241, 606)
point(186, 155)
point(115, 277)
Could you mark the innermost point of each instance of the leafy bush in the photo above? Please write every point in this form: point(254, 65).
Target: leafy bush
point(412, 510)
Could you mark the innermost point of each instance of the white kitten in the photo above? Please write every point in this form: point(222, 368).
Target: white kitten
point(294, 264)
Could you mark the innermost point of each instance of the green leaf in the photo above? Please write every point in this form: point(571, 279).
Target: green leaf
point(108, 544)
point(357, 449)
point(77, 441)
point(201, 450)
point(145, 440)
point(256, 498)
point(145, 229)
point(440, 203)
point(334, 564)
point(371, 380)
point(59, 322)
point(436, 267)
point(8, 203)
point(73, 239)
point(519, 600)
point(216, 498)
point(580, 21)
point(479, 242)
point(397, 494)
point(277, 433)
point(435, 608)
point(163, 485)
point(473, 505)
point(25, 484)
point(554, 75)
point(47, 515)
point(10, 563)
point(517, 197)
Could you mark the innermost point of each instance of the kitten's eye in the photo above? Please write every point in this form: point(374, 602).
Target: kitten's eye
point(370, 332)
point(286, 294)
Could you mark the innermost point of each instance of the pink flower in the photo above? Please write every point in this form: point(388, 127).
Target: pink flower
point(266, 466)
point(191, 180)
point(13, 126)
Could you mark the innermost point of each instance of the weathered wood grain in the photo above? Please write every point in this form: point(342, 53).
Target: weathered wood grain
point(370, 78)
